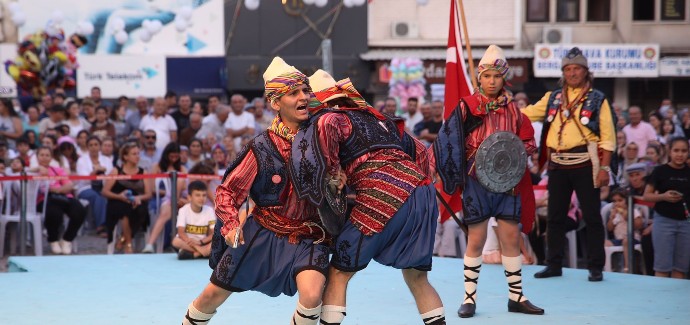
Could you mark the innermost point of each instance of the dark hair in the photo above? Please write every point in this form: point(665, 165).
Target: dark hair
point(83, 131)
point(169, 94)
point(72, 158)
point(413, 99)
point(673, 126)
point(212, 96)
point(96, 87)
point(22, 140)
point(61, 95)
point(164, 163)
point(196, 186)
point(8, 105)
point(123, 97)
point(202, 168)
point(621, 191)
point(93, 137)
point(677, 139)
point(68, 105)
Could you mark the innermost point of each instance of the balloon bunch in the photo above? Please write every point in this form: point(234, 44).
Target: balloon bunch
point(47, 59)
point(407, 79)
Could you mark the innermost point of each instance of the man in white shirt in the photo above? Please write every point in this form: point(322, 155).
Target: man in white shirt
point(639, 131)
point(240, 124)
point(411, 116)
point(160, 122)
point(214, 123)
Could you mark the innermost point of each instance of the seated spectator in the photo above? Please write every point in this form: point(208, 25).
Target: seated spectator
point(220, 158)
point(31, 124)
point(203, 168)
point(5, 152)
point(240, 124)
point(81, 138)
point(213, 123)
point(92, 164)
point(127, 199)
point(102, 127)
point(24, 151)
point(492, 248)
point(160, 122)
point(188, 133)
point(10, 123)
point(637, 173)
point(67, 149)
point(108, 150)
point(117, 119)
point(617, 223)
point(60, 202)
point(150, 154)
point(170, 161)
point(56, 116)
point(196, 154)
point(412, 117)
point(49, 141)
point(76, 123)
point(195, 223)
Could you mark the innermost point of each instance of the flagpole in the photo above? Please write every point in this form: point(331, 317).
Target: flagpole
point(470, 61)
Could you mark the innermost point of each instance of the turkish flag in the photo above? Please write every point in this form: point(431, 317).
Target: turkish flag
point(457, 86)
point(458, 83)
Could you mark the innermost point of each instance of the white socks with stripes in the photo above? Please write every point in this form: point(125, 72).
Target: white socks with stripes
point(332, 315)
point(434, 317)
point(195, 317)
point(513, 272)
point(472, 267)
point(305, 316)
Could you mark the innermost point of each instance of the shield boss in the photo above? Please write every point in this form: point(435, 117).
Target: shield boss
point(500, 162)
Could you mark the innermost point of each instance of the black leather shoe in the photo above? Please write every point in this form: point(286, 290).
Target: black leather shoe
point(524, 307)
point(467, 310)
point(595, 275)
point(549, 271)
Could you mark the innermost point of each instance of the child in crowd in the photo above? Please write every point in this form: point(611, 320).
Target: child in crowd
point(195, 222)
point(618, 223)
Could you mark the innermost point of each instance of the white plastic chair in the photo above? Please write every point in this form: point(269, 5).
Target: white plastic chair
point(153, 217)
point(610, 250)
point(11, 213)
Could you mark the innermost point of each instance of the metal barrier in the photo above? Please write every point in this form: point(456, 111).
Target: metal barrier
point(173, 176)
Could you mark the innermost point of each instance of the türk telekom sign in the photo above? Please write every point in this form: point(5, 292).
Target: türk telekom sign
point(605, 60)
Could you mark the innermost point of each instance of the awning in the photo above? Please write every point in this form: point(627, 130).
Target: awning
point(387, 54)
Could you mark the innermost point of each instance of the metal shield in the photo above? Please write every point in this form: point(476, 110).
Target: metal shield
point(500, 162)
point(333, 210)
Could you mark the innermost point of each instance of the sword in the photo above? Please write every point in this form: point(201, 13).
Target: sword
point(452, 213)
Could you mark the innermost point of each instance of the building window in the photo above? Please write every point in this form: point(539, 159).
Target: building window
point(568, 10)
point(672, 9)
point(598, 10)
point(537, 11)
point(643, 9)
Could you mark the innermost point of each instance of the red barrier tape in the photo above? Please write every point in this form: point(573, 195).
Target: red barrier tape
point(105, 177)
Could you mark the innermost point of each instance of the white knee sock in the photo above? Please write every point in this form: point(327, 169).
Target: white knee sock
point(434, 317)
point(332, 315)
point(195, 317)
point(513, 272)
point(472, 267)
point(306, 316)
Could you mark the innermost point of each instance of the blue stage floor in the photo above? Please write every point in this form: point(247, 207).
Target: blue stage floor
point(156, 289)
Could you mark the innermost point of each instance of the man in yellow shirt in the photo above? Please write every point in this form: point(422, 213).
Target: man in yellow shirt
point(578, 139)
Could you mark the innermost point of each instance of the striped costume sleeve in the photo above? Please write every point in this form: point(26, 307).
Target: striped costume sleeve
point(334, 128)
point(234, 191)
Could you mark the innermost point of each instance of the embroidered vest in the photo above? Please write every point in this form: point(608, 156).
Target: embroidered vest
point(368, 134)
point(589, 113)
point(264, 191)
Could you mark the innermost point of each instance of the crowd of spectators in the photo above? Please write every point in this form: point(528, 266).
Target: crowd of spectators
point(91, 136)
point(59, 135)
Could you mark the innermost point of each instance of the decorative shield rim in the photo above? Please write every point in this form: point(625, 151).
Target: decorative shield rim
point(333, 210)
